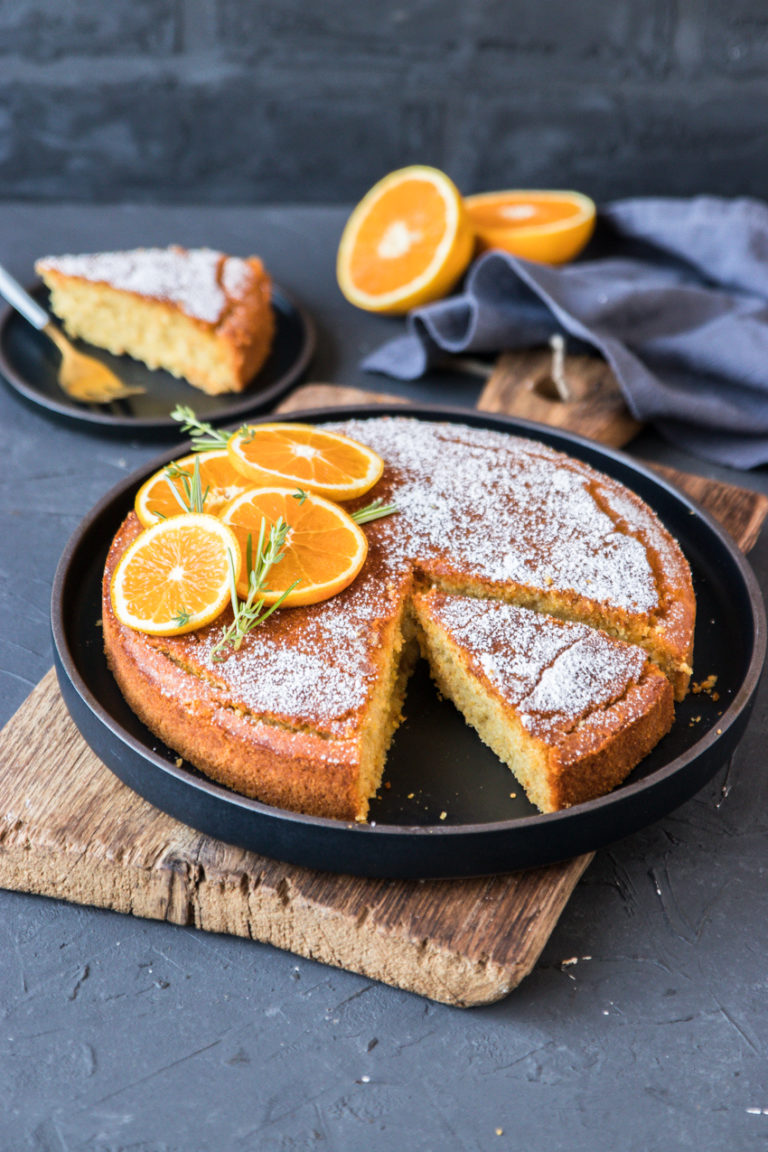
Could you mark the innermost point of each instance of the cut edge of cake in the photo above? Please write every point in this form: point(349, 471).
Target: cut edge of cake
point(561, 765)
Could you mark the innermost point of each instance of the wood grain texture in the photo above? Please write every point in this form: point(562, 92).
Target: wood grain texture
point(319, 395)
point(521, 384)
point(740, 510)
point(71, 830)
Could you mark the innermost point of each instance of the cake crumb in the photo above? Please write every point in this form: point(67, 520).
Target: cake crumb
point(443, 815)
point(705, 685)
point(178, 761)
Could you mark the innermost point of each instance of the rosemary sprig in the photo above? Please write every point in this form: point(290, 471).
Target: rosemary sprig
point(192, 498)
point(373, 511)
point(204, 436)
point(182, 618)
point(249, 613)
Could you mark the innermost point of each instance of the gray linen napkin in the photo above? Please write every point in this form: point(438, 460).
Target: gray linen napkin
point(675, 298)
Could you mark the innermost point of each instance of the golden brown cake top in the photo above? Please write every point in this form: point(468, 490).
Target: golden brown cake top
point(509, 510)
point(200, 281)
point(555, 675)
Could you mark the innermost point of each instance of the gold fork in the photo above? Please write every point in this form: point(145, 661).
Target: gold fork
point(82, 377)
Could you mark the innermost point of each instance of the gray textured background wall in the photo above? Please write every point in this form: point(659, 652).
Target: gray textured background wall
point(308, 100)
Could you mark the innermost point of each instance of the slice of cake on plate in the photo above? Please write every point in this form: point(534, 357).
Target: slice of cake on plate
point(570, 710)
point(199, 314)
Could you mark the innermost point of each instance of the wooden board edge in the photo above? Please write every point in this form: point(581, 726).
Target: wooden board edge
point(242, 907)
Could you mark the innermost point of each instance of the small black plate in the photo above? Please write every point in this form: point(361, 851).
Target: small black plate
point(448, 808)
point(29, 362)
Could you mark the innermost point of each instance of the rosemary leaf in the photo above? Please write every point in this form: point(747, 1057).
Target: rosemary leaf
point(193, 498)
point(251, 612)
point(169, 478)
point(204, 436)
point(373, 511)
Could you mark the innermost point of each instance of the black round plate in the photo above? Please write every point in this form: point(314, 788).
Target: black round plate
point(29, 362)
point(450, 808)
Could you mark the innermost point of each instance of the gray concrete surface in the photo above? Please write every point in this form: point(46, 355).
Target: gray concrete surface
point(243, 101)
point(643, 1028)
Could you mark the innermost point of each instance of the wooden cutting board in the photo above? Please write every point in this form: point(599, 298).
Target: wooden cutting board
point(71, 830)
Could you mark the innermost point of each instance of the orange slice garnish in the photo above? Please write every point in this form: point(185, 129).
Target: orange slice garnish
point(310, 458)
point(155, 500)
point(324, 548)
point(406, 243)
point(175, 576)
point(550, 227)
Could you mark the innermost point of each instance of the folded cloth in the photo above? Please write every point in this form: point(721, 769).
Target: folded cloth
point(675, 298)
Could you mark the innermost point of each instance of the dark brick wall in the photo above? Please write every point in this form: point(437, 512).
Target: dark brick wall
point(236, 101)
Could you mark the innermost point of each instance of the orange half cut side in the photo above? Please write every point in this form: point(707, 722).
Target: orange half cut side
point(549, 227)
point(406, 243)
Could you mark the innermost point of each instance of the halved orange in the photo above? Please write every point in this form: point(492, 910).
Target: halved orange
point(310, 458)
point(406, 243)
point(550, 227)
point(324, 548)
point(155, 500)
point(175, 576)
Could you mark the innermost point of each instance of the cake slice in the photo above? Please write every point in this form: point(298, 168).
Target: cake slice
point(197, 313)
point(569, 709)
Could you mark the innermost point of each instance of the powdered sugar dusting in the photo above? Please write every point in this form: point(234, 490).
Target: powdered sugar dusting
point(188, 278)
point(315, 666)
point(553, 673)
point(508, 509)
point(236, 275)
